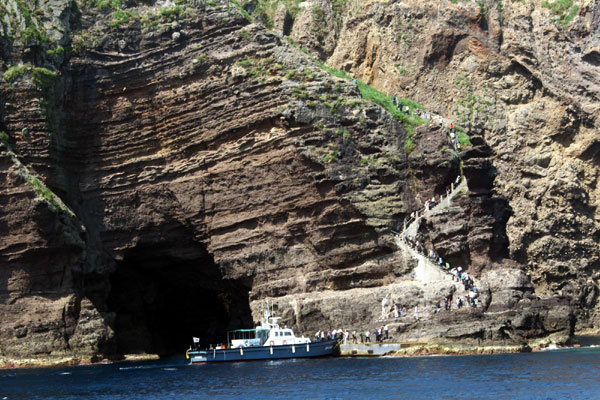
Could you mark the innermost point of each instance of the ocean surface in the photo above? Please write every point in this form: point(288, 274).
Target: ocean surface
point(559, 374)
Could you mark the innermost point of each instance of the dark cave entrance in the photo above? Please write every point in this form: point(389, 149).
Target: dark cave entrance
point(163, 298)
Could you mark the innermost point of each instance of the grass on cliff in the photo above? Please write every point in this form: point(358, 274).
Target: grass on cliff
point(42, 191)
point(563, 10)
point(42, 77)
point(33, 32)
point(242, 10)
point(463, 139)
point(15, 72)
point(370, 93)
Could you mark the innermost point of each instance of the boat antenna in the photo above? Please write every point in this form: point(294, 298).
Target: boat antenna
point(266, 311)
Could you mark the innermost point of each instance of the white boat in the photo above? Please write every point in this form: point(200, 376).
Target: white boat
point(269, 341)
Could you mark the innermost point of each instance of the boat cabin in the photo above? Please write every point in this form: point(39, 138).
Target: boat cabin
point(269, 333)
point(264, 337)
point(247, 337)
point(283, 336)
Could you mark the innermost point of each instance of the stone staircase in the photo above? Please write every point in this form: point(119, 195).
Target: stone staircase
point(427, 271)
point(413, 227)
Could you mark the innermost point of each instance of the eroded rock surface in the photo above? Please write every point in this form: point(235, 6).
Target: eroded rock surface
point(201, 165)
point(523, 78)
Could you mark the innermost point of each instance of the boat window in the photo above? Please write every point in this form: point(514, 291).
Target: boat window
point(288, 334)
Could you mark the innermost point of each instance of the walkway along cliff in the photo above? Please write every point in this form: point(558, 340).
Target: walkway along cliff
point(175, 165)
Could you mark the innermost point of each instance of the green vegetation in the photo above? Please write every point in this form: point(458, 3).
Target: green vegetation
point(200, 59)
point(241, 9)
point(15, 72)
point(122, 17)
point(43, 78)
point(259, 67)
point(370, 93)
point(308, 75)
point(409, 145)
point(370, 161)
point(331, 156)
point(334, 72)
point(83, 41)
point(172, 13)
point(150, 20)
point(469, 105)
point(405, 71)
point(482, 7)
point(319, 24)
point(34, 32)
point(406, 38)
point(104, 4)
point(4, 137)
point(333, 107)
point(563, 10)
point(55, 52)
point(264, 10)
point(463, 139)
point(291, 75)
point(45, 193)
point(300, 93)
point(500, 9)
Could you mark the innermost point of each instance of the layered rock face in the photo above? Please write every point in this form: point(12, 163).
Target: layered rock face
point(174, 171)
point(524, 77)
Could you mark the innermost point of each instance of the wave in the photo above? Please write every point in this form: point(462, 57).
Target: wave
point(138, 367)
point(152, 366)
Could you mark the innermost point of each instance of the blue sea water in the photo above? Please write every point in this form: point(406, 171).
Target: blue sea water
point(561, 374)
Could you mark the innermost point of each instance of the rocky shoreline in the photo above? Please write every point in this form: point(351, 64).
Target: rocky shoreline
point(406, 350)
point(68, 361)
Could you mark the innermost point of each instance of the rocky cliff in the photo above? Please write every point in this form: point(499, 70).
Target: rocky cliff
point(168, 167)
point(523, 76)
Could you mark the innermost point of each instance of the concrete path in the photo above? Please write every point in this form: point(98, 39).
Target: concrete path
point(372, 349)
point(426, 270)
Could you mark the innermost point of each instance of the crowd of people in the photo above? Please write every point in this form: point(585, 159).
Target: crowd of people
point(347, 337)
point(457, 273)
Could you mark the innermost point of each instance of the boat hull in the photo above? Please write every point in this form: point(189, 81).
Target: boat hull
point(317, 349)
